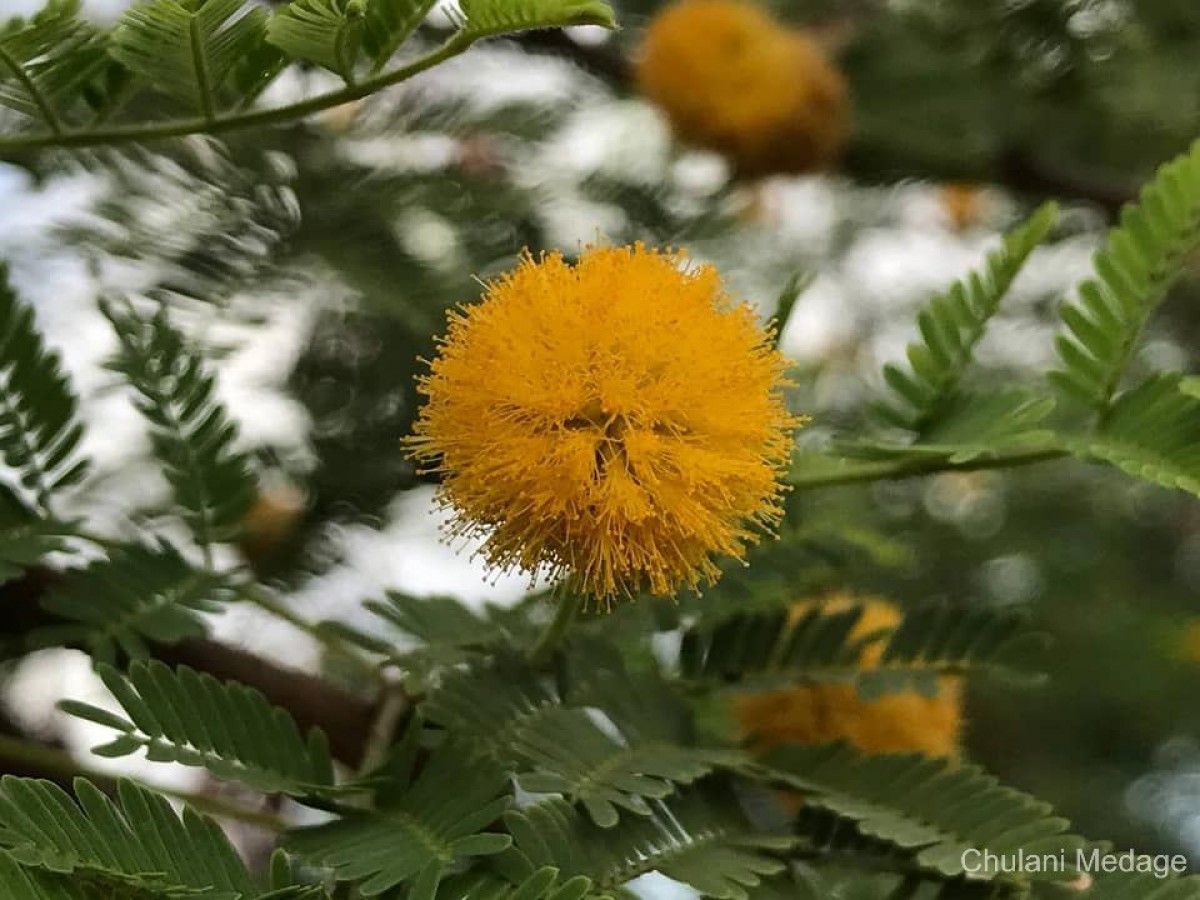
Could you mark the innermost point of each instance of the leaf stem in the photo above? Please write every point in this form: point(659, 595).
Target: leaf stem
point(856, 471)
point(547, 643)
point(391, 708)
point(52, 762)
point(200, 61)
point(456, 44)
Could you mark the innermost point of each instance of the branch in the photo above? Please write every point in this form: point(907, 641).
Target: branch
point(125, 134)
point(856, 471)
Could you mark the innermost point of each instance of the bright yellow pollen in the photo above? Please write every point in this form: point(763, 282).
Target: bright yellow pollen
point(619, 421)
point(731, 79)
point(893, 723)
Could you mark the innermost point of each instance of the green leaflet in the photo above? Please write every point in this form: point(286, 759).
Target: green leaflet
point(191, 718)
point(952, 324)
point(929, 808)
point(1151, 432)
point(188, 50)
point(25, 537)
point(137, 594)
point(592, 751)
point(544, 884)
point(47, 62)
point(137, 841)
point(216, 57)
point(427, 634)
point(773, 649)
point(326, 32)
point(698, 838)
point(1134, 270)
point(431, 820)
point(39, 428)
point(484, 18)
point(191, 433)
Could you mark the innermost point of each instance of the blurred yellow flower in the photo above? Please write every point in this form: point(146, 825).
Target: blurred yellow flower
point(271, 522)
point(824, 713)
point(619, 421)
point(731, 79)
point(964, 203)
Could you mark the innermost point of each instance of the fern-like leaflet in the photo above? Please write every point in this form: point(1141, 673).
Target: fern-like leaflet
point(138, 594)
point(952, 325)
point(388, 25)
point(218, 56)
point(191, 718)
point(47, 61)
point(1141, 886)
point(773, 649)
point(191, 433)
point(134, 844)
point(433, 633)
point(26, 537)
point(188, 50)
point(931, 809)
point(545, 883)
point(326, 32)
point(699, 838)
point(39, 430)
point(1151, 432)
point(479, 19)
point(1134, 270)
point(556, 745)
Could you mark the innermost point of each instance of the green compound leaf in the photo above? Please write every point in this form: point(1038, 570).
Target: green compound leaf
point(46, 62)
point(951, 326)
point(1151, 432)
point(40, 431)
point(136, 842)
point(188, 49)
point(431, 821)
point(932, 809)
point(232, 730)
point(1134, 270)
point(137, 594)
point(190, 430)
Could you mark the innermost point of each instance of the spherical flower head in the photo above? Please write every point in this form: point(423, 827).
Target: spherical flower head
point(818, 714)
point(731, 79)
point(619, 422)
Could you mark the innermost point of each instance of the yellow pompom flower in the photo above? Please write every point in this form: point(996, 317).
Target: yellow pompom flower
point(818, 714)
point(731, 79)
point(618, 421)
